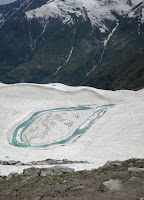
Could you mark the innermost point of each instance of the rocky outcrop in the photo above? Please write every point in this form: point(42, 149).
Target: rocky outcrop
point(42, 162)
point(33, 172)
point(55, 170)
point(11, 162)
point(112, 184)
point(135, 169)
point(11, 175)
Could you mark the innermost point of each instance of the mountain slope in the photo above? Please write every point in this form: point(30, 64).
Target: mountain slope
point(128, 75)
point(66, 41)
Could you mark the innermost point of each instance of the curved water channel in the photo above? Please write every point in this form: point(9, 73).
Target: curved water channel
point(18, 132)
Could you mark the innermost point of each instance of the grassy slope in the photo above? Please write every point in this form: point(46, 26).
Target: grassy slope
point(128, 75)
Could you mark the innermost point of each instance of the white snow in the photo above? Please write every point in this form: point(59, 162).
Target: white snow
point(137, 12)
point(69, 56)
point(117, 135)
point(102, 30)
point(110, 35)
point(95, 10)
point(142, 19)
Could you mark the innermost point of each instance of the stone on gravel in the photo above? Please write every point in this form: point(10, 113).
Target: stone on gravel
point(112, 163)
point(60, 170)
point(113, 184)
point(133, 178)
point(11, 162)
point(46, 172)
point(32, 172)
point(11, 175)
point(4, 162)
point(1, 178)
point(18, 163)
point(135, 169)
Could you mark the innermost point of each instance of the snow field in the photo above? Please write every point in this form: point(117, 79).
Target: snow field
point(117, 135)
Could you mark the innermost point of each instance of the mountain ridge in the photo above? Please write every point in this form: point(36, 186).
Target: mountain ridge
point(65, 41)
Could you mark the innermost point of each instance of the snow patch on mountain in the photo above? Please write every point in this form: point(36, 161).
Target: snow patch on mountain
point(142, 19)
point(137, 12)
point(94, 10)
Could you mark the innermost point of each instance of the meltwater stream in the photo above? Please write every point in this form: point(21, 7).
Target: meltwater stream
point(18, 132)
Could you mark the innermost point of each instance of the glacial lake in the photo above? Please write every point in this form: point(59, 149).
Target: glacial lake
point(18, 141)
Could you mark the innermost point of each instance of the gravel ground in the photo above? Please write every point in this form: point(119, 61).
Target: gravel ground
point(114, 181)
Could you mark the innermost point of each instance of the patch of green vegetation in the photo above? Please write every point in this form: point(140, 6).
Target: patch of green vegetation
point(128, 75)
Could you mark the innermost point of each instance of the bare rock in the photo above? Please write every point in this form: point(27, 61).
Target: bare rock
point(55, 170)
point(60, 170)
point(46, 172)
point(1, 178)
point(11, 162)
point(4, 162)
point(111, 185)
point(11, 175)
point(112, 163)
point(135, 169)
point(134, 179)
point(31, 172)
point(18, 163)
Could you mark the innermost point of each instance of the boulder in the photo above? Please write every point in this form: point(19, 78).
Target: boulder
point(60, 170)
point(135, 169)
point(134, 179)
point(1, 178)
point(11, 162)
point(46, 172)
point(11, 175)
point(112, 185)
point(112, 163)
point(1, 162)
point(4, 162)
point(31, 172)
point(18, 163)
point(55, 170)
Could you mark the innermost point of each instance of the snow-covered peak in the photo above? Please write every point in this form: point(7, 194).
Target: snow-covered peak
point(95, 10)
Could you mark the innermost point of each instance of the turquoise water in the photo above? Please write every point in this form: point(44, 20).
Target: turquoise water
point(17, 134)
